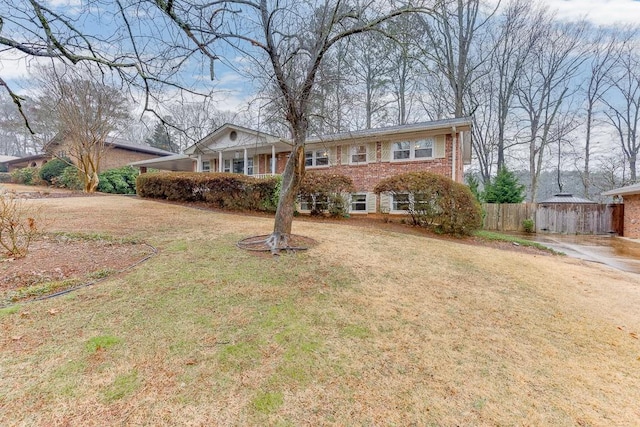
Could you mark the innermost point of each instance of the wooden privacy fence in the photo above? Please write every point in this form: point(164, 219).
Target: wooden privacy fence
point(566, 218)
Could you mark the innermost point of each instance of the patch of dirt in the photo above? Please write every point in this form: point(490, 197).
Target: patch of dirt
point(60, 258)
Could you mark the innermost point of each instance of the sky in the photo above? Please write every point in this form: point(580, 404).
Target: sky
point(234, 91)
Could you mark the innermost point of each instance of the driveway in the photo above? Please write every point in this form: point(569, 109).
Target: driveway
point(617, 252)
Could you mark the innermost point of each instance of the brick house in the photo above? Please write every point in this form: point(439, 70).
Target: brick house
point(119, 153)
point(366, 156)
point(631, 196)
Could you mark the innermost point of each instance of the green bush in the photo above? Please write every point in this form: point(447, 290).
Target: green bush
point(504, 188)
point(436, 201)
point(528, 225)
point(118, 181)
point(5, 177)
point(324, 193)
point(24, 176)
point(69, 178)
point(53, 169)
point(220, 190)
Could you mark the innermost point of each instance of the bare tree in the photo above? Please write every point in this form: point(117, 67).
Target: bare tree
point(546, 89)
point(86, 112)
point(453, 34)
point(624, 105)
point(605, 47)
point(295, 37)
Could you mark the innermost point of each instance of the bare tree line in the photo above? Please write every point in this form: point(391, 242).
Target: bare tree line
point(537, 88)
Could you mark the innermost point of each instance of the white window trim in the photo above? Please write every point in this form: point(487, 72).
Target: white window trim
point(206, 168)
point(366, 204)
point(412, 150)
point(392, 198)
point(351, 154)
point(314, 158)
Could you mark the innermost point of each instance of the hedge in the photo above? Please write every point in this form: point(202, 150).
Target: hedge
point(221, 190)
point(328, 187)
point(438, 202)
point(118, 181)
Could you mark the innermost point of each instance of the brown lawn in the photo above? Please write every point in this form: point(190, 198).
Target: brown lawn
point(369, 327)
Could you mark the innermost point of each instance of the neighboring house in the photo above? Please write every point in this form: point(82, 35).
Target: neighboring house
point(3, 162)
point(631, 196)
point(119, 153)
point(366, 156)
point(34, 161)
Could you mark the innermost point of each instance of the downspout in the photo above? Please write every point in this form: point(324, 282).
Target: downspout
point(220, 163)
point(454, 150)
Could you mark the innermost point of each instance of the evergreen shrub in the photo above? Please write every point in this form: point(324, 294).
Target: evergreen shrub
point(436, 202)
point(220, 190)
point(53, 169)
point(118, 181)
point(69, 178)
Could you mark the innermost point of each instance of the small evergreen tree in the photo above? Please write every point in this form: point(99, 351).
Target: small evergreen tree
point(160, 139)
point(504, 188)
point(474, 186)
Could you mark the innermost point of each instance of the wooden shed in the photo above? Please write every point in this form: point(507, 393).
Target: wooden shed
point(567, 214)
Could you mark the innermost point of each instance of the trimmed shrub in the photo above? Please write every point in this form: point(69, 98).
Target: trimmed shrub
point(325, 193)
point(118, 181)
point(5, 177)
point(53, 169)
point(24, 176)
point(69, 178)
point(436, 201)
point(220, 190)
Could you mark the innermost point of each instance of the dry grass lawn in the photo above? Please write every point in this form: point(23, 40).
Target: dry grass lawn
point(370, 327)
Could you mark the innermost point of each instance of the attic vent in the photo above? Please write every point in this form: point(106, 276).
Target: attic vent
point(233, 135)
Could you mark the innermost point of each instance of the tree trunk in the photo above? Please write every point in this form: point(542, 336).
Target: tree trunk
point(291, 180)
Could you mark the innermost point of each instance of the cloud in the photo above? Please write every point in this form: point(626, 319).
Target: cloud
point(601, 12)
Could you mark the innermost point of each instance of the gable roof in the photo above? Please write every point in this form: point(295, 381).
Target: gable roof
point(626, 190)
point(228, 127)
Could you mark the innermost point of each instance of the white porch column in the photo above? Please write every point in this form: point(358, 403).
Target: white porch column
point(199, 164)
point(273, 159)
point(220, 163)
point(454, 149)
point(246, 163)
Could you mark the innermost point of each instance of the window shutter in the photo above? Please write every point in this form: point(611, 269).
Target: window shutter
point(345, 151)
point(333, 156)
point(385, 202)
point(385, 152)
point(371, 202)
point(371, 152)
point(256, 165)
point(439, 149)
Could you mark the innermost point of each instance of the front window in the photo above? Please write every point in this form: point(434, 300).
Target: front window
point(206, 166)
point(423, 148)
point(400, 202)
point(314, 202)
point(316, 158)
point(359, 154)
point(358, 202)
point(401, 150)
point(237, 165)
point(412, 150)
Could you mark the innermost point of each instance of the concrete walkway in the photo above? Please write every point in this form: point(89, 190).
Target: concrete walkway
point(617, 252)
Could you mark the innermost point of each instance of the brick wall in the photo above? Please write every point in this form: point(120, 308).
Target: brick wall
point(632, 216)
point(366, 176)
point(116, 157)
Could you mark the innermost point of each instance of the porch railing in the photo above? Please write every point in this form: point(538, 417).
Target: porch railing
point(264, 175)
